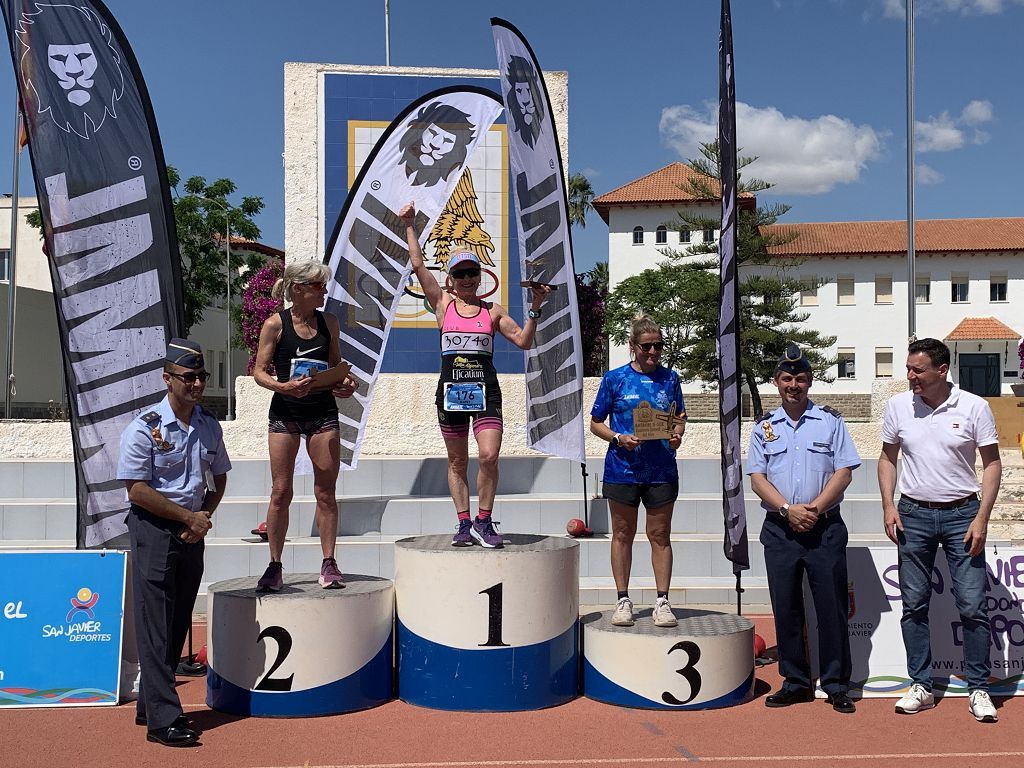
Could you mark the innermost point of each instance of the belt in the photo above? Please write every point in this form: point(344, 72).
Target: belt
point(941, 504)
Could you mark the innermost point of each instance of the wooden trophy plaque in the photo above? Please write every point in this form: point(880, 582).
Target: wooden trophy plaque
point(651, 424)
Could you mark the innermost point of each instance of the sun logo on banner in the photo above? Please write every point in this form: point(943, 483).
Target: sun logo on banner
point(83, 602)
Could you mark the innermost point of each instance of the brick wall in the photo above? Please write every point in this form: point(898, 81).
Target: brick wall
point(704, 405)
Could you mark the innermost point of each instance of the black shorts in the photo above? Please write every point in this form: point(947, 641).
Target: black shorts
point(653, 495)
point(308, 428)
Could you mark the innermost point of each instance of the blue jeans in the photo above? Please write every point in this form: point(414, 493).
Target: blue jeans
point(923, 531)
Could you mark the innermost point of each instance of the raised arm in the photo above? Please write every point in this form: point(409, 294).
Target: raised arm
point(436, 297)
point(509, 328)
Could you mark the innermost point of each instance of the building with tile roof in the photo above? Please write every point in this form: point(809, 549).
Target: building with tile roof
point(968, 271)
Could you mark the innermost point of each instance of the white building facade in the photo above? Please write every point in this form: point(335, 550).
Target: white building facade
point(969, 273)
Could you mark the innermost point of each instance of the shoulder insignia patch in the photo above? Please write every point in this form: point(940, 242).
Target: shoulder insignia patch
point(150, 417)
point(762, 417)
point(833, 411)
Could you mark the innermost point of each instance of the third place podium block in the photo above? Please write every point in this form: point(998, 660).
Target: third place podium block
point(705, 662)
point(487, 629)
point(302, 651)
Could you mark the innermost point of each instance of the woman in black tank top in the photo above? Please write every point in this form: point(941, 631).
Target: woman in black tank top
point(294, 342)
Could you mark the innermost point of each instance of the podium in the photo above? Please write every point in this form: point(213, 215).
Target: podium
point(487, 630)
point(302, 651)
point(705, 662)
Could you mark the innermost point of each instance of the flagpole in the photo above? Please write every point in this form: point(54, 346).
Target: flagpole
point(911, 267)
point(387, 33)
point(12, 289)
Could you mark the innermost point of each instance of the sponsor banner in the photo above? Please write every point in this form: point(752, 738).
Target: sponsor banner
point(728, 310)
point(109, 232)
point(421, 158)
point(61, 616)
point(876, 640)
point(554, 366)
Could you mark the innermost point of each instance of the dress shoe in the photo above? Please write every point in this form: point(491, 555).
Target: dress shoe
point(181, 721)
point(788, 696)
point(842, 703)
point(172, 736)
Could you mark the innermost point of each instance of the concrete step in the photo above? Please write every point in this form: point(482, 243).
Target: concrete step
point(29, 519)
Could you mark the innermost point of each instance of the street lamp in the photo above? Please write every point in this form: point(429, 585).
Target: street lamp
point(226, 207)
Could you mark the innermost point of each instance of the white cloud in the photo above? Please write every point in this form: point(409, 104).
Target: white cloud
point(590, 173)
point(925, 174)
point(944, 133)
point(977, 112)
point(800, 156)
point(897, 9)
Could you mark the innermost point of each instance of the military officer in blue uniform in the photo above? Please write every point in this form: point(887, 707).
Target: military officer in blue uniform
point(175, 467)
point(800, 460)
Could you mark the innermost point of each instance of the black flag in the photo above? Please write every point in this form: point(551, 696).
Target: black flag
point(728, 312)
point(109, 232)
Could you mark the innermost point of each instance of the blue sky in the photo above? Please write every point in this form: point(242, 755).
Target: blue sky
point(820, 85)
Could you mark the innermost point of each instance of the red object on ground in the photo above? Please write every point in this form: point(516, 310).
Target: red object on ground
point(577, 528)
point(759, 646)
point(201, 655)
point(261, 530)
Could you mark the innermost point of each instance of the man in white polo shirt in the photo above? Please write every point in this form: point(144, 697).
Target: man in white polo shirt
point(940, 429)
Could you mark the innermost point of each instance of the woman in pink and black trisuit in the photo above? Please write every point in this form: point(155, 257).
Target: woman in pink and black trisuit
point(468, 391)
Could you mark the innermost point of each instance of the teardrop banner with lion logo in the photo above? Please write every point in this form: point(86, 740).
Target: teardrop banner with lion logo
point(554, 365)
point(109, 231)
point(419, 158)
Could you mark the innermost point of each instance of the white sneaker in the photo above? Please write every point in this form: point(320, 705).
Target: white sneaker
point(623, 616)
point(918, 698)
point(982, 708)
point(663, 616)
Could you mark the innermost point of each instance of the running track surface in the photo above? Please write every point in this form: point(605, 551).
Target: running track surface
point(580, 733)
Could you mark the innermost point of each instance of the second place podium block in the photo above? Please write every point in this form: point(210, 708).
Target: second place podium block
point(302, 651)
point(487, 629)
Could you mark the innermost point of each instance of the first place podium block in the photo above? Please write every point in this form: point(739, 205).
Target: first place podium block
point(705, 662)
point(303, 651)
point(487, 630)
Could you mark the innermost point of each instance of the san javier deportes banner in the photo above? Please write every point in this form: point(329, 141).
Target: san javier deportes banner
point(109, 232)
point(554, 366)
point(420, 157)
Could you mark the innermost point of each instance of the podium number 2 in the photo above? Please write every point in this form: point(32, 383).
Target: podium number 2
point(493, 615)
point(283, 639)
point(689, 672)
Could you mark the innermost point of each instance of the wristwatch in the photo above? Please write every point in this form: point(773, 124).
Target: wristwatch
point(534, 313)
point(784, 510)
point(615, 438)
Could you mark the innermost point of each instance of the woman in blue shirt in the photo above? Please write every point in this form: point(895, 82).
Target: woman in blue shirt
point(636, 471)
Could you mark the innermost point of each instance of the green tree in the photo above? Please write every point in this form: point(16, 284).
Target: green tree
point(769, 314)
point(201, 213)
point(581, 197)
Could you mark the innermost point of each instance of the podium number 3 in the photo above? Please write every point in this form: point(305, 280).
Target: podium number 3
point(689, 672)
point(283, 639)
point(493, 615)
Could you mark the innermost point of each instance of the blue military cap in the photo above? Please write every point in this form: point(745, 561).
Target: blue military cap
point(793, 361)
point(185, 353)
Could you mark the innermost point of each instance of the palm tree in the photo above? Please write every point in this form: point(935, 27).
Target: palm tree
point(581, 195)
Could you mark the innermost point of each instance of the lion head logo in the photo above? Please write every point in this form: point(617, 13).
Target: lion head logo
point(435, 143)
point(524, 99)
point(75, 79)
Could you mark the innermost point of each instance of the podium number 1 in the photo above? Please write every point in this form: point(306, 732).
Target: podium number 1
point(493, 615)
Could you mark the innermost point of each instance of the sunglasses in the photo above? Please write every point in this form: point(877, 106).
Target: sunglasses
point(192, 378)
point(319, 284)
point(647, 346)
point(459, 274)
